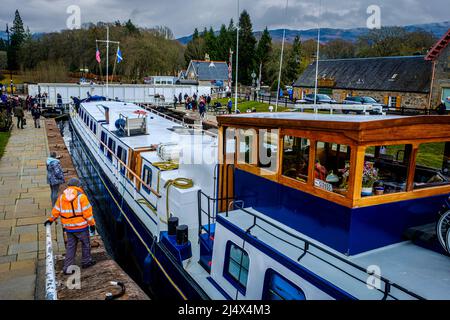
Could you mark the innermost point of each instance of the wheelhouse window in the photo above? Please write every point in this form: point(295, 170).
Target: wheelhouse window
point(236, 266)
point(268, 150)
point(296, 158)
point(432, 165)
point(332, 167)
point(247, 148)
point(385, 169)
point(277, 287)
point(147, 178)
point(111, 148)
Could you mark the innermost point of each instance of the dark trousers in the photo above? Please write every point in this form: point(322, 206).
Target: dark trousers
point(20, 122)
point(71, 248)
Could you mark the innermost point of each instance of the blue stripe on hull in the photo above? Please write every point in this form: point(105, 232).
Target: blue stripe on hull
point(122, 241)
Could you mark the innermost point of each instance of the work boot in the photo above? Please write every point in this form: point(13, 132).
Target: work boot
point(89, 264)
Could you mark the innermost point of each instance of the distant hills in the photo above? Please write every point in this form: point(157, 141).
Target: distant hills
point(328, 34)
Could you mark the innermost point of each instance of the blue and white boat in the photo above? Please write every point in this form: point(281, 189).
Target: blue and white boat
point(275, 206)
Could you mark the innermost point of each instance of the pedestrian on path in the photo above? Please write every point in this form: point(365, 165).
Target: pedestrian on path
point(77, 219)
point(36, 113)
point(19, 114)
point(55, 176)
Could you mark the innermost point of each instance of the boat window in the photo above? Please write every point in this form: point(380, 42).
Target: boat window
point(111, 148)
point(95, 128)
point(385, 169)
point(296, 158)
point(230, 145)
point(432, 165)
point(147, 178)
point(122, 155)
point(91, 125)
point(332, 167)
point(103, 139)
point(277, 287)
point(236, 266)
point(268, 149)
point(247, 152)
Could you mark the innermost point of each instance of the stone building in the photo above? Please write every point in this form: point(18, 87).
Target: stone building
point(394, 81)
point(439, 55)
point(412, 82)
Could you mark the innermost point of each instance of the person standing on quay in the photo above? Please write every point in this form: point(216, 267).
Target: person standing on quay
point(36, 113)
point(77, 219)
point(55, 176)
point(19, 114)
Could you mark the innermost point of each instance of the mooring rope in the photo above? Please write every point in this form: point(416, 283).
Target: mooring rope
point(180, 183)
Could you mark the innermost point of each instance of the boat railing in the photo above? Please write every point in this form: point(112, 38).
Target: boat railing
point(387, 287)
point(180, 122)
point(306, 246)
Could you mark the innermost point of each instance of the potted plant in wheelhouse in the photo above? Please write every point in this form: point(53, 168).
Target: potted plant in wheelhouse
point(370, 176)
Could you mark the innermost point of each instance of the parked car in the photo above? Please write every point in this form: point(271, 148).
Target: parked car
point(377, 106)
point(321, 98)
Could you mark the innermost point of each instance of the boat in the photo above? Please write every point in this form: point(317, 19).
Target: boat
point(275, 206)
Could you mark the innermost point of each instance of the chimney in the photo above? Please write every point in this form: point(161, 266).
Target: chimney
point(106, 114)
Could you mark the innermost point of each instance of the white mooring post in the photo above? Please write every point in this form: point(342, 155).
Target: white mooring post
point(50, 281)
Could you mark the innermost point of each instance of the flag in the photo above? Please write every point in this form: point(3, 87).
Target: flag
point(97, 56)
point(119, 55)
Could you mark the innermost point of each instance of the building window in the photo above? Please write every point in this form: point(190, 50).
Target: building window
point(147, 178)
point(392, 102)
point(332, 167)
point(385, 169)
point(296, 158)
point(236, 266)
point(277, 287)
point(432, 165)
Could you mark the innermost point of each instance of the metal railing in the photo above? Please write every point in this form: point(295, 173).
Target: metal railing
point(181, 123)
point(50, 280)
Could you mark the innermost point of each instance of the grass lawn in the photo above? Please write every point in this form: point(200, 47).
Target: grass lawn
point(243, 105)
point(4, 136)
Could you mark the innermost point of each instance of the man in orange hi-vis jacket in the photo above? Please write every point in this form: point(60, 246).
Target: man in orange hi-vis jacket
point(77, 219)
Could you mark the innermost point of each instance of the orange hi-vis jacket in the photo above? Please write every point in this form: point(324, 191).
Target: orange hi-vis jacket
point(75, 210)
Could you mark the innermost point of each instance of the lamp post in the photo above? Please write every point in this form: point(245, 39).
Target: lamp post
point(9, 55)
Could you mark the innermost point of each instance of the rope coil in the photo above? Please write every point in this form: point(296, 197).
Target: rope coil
point(180, 183)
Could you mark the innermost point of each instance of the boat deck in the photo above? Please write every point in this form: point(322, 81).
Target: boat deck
point(421, 271)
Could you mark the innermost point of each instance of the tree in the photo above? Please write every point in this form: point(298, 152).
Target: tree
point(224, 43)
point(339, 49)
point(211, 47)
point(132, 29)
point(383, 42)
point(263, 52)
point(17, 38)
point(195, 50)
point(247, 43)
point(293, 62)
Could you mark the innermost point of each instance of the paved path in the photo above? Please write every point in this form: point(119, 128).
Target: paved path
point(24, 204)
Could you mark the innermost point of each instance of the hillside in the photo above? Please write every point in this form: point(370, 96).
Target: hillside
point(328, 34)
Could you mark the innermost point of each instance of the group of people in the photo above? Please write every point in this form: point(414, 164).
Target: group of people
point(14, 105)
point(194, 103)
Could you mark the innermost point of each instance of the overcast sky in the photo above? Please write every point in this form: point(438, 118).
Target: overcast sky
point(182, 16)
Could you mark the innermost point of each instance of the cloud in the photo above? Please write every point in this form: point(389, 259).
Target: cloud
point(182, 16)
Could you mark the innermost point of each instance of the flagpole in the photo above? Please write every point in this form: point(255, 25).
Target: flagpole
point(281, 62)
point(107, 61)
point(237, 60)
